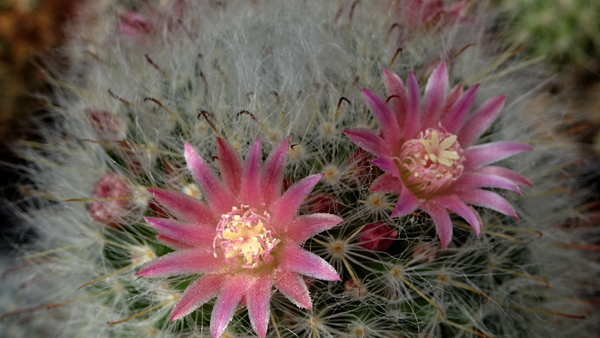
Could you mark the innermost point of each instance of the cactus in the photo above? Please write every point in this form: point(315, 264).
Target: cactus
point(141, 190)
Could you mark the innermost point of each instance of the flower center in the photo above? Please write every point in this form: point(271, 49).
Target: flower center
point(245, 237)
point(431, 162)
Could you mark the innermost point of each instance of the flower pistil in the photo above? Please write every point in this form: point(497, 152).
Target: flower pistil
point(431, 162)
point(245, 238)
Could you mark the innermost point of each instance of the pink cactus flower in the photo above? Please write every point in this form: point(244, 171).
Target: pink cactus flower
point(424, 14)
point(134, 25)
point(113, 195)
point(377, 237)
point(245, 239)
point(427, 150)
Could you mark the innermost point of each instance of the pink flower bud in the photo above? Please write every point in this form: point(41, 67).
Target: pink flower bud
point(424, 252)
point(113, 195)
point(134, 25)
point(377, 236)
point(324, 203)
point(130, 153)
point(355, 290)
point(108, 127)
point(361, 170)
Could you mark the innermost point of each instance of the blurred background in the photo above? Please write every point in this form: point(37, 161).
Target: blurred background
point(31, 32)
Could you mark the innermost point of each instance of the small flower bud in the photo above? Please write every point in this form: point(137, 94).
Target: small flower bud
point(324, 203)
point(108, 127)
point(113, 194)
point(377, 237)
point(424, 252)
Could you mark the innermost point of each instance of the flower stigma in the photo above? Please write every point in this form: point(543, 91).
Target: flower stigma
point(245, 237)
point(431, 162)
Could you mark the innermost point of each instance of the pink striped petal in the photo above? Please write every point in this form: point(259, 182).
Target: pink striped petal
point(307, 226)
point(487, 199)
point(480, 121)
point(295, 259)
point(461, 209)
point(185, 262)
point(386, 183)
point(506, 173)
point(258, 299)
point(226, 303)
point(293, 287)
point(285, 208)
point(452, 98)
point(412, 121)
point(388, 124)
point(182, 206)
point(387, 164)
point(455, 118)
point(396, 88)
point(407, 203)
point(250, 191)
point(230, 164)
point(272, 177)
point(470, 181)
point(173, 244)
point(483, 154)
point(220, 198)
point(435, 95)
point(199, 292)
point(368, 140)
point(441, 220)
point(195, 235)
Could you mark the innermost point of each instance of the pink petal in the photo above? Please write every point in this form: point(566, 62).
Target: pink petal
point(455, 118)
point(199, 292)
point(295, 259)
point(461, 209)
point(285, 208)
point(481, 120)
point(506, 173)
point(258, 300)
point(195, 235)
point(220, 198)
point(487, 199)
point(226, 303)
point(272, 176)
point(407, 203)
point(412, 121)
point(293, 287)
point(173, 244)
point(368, 140)
point(251, 192)
point(451, 99)
point(441, 219)
point(230, 164)
point(483, 154)
point(386, 183)
point(435, 95)
point(307, 226)
point(184, 262)
point(470, 181)
point(388, 124)
point(387, 164)
point(182, 206)
point(396, 88)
